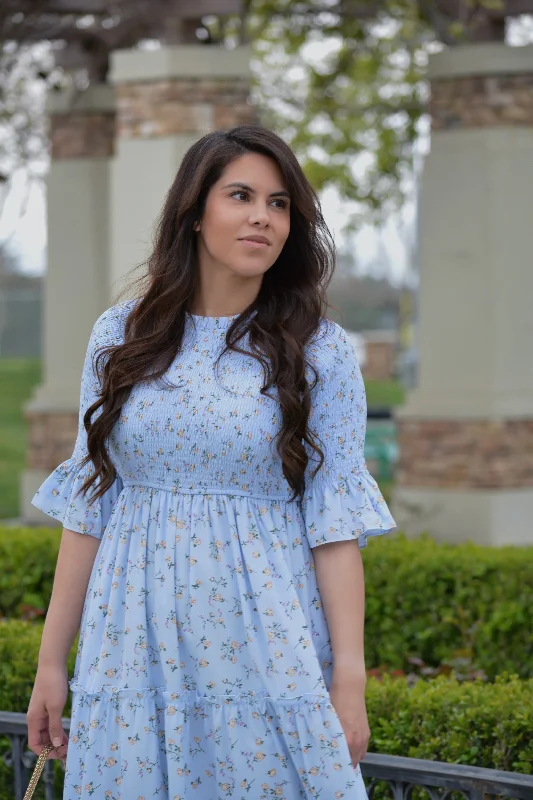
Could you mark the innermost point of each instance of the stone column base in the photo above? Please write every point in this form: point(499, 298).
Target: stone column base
point(51, 439)
point(487, 517)
point(465, 479)
point(465, 453)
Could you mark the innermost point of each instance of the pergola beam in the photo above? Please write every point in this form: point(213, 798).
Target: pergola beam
point(184, 9)
point(89, 46)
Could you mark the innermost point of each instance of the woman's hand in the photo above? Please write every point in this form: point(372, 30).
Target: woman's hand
point(348, 699)
point(48, 699)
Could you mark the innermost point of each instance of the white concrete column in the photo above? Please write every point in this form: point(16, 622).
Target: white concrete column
point(466, 432)
point(166, 100)
point(82, 131)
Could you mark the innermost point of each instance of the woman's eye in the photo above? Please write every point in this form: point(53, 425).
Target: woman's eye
point(242, 195)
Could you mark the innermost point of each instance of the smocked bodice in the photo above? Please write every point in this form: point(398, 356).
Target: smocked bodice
point(213, 432)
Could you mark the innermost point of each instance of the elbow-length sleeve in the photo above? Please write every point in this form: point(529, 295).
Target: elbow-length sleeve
point(58, 495)
point(342, 501)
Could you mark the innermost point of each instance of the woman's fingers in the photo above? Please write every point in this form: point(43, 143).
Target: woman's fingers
point(55, 728)
point(59, 739)
point(45, 725)
point(41, 733)
point(37, 731)
point(358, 749)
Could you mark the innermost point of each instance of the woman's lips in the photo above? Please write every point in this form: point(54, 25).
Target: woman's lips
point(253, 243)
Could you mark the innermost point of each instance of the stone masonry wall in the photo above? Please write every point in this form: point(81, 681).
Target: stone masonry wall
point(51, 438)
point(181, 106)
point(484, 101)
point(82, 134)
point(465, 454)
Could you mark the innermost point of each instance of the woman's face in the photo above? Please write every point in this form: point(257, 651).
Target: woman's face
point(246, 219)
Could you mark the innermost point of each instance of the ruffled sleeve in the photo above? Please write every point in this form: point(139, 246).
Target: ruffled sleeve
point(59, 495)
point(343, 500)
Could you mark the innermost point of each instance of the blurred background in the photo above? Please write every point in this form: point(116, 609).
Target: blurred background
point(413, 119)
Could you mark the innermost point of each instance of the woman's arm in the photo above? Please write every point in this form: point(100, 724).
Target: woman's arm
point(341, 507)
point(340, 578)
point(75, 561)
point(84, 522)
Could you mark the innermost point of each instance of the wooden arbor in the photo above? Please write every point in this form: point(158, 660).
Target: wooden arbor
point(91, 29)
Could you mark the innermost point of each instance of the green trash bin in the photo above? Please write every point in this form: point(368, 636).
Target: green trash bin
point(381, 449)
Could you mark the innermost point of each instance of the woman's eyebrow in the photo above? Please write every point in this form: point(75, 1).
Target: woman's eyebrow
point(238, 185)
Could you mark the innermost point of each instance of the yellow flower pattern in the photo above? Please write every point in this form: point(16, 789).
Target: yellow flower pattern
point(204, 660)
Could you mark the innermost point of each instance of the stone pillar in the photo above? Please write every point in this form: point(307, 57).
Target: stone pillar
point(381, 353)
point(466, 432)
point(166, 100)
point(82, 132)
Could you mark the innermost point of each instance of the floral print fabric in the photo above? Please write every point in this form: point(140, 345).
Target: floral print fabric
point(204, 661)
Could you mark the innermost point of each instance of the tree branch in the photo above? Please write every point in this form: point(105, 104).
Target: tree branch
point(509, 8)
point(437, 20)
point(346, 9)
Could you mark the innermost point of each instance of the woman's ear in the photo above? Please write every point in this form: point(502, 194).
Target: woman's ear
point(196, 226)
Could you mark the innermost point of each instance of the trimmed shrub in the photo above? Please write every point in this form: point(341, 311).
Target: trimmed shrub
point(440, 603)
point(477, 723)
point(19, 651)
point(28, 557)
point(445, 603)
point(472, 722)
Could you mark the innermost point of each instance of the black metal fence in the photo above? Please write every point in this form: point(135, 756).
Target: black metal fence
point(442, 780)
point(400, 776)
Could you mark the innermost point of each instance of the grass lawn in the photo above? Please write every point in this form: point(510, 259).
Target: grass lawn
point(384, 393)
point(18, 376)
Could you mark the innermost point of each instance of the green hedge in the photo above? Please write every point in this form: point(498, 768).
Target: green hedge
point(19, 649)
point(448, 603)
point(471, 722)
point(436, 602)
point(477, 723)
point(28, 557)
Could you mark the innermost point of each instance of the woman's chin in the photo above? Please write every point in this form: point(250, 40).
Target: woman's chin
point(248, 268)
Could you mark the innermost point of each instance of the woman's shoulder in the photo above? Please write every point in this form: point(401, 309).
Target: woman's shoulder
point(110, 325)
point(330, 346)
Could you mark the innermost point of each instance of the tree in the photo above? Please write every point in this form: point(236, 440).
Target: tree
point(364, 302)
point(363, 102)
point(46, 44)
point(26, 72)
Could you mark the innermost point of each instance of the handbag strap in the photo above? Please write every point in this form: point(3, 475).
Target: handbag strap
point(41, 761)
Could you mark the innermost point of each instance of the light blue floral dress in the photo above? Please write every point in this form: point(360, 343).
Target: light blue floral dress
point(204, 662)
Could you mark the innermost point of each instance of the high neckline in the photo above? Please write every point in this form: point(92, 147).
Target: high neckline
point(212, 323)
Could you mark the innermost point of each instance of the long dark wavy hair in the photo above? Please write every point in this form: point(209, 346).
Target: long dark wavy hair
point(288, 308)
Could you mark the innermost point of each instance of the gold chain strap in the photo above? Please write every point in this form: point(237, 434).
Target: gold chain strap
point(41, 761)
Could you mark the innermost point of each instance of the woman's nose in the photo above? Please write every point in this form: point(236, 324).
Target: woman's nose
point(259, 214)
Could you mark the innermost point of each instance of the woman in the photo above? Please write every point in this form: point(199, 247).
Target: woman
point(214, 509)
